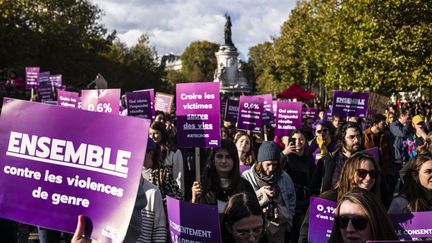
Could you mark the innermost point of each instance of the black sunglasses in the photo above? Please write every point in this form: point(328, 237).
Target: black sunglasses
point(358, 222)
point(362, 173)
point(321, 131)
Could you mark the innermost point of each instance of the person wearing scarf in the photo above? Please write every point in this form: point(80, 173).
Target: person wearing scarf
point(274, 190)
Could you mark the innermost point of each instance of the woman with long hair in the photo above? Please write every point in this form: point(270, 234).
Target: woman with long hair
point(221, 177)
point(359, 171)
point(245, 148)
point(171, 157)
point(243, 220)
point(361, 216)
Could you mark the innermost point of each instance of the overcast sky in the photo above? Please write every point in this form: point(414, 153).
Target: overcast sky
point(173, 24)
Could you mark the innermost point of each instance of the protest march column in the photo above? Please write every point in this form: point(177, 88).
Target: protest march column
point(198, 117)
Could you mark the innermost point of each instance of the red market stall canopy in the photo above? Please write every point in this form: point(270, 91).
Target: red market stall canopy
point(295, 92)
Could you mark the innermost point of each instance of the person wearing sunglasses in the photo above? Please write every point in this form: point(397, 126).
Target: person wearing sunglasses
point(243, 220)
point(360, 216)
point(322, 143)
point(359, 171)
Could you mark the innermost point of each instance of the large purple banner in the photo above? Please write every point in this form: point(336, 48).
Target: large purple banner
point(412, 226)
point(190, 222)
point(346, 103)
point(268, 116)
point(198, 115)
point(32, 77)
point(231, 110)
point(140, 103)
point(321, 218)
point(288, 117)
point(251, 110)
point(101, 100)
point(163, 102)
point(67, 98)
point(58, 163)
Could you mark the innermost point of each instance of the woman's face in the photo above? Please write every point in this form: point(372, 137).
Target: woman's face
point(223, 162)
point(366, 175)
point(248, 230)
point(425, 175)
point(155, 135)
point(299, 141)
point(321, 131)
point(243, 144)
point(353, 223)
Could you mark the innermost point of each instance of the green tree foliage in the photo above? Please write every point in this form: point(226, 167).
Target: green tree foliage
point(361, 45)
point(199, 61)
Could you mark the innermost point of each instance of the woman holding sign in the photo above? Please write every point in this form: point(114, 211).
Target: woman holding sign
point(221, 177)
point(361, 216)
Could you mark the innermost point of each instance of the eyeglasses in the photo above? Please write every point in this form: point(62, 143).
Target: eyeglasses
point(322, 131)
point(358, 222)
point(246, 233)
point(362, 173)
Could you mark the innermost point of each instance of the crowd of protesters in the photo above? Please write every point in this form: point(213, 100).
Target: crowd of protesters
point(269, 200)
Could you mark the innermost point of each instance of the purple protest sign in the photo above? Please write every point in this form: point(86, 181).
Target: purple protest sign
point(32, 77)
point(191, 222)
point(268, 115)
point(56, 80)
point(411, 226)
point(67, 99)
point(44, 77)
point(198, 116)
point(346, 103)
point(163, 102)
point(310, 112)
point(322, 212)
point(45, 92)
point(140, 103)
point(54, 170)
point(288, 117)
point(328, 114)
point(251, 109)
point(101, 100)
point(231, 110)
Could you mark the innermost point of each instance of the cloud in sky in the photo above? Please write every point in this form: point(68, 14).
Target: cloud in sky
point(173, 24)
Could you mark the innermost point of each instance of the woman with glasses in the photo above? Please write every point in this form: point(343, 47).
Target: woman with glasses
point(360, 216)
point(359, 171)
point(221, 177)
point(245, 148)
point(416, 192)
point(322, 143)
point(243, 220)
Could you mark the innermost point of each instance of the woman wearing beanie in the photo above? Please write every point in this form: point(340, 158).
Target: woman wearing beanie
point(275, 191)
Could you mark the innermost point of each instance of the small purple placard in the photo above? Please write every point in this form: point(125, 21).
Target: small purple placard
point(57, 163)
point(67, 98)
point(45, 92)
point(268, 115)
point(56, 80)
point(251, 110)
point(44, 77)
point(101, 100)
point(309, 112)
point(32, 77)
point(231, 110)
point(192, 222)
point(411, 226)
point(346, 103)
point(288, 117)
point(163, 102)
point(322, 212)
point(140, 103)
point(198, 115)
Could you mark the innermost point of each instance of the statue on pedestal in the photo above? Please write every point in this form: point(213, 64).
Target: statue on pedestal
point(228, 40)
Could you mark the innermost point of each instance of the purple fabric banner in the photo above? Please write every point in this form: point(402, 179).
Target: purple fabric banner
point(101, 100)
point(190, 222)
point(231, 110)
point(32, 77)
point(140, 103)
point(198, 115)
point(268, 115)
point(67, 99)
point(45, 92)
point(411, 226)
point(58, 163)
point(250, 114)
point(321, 218)
point(310, 112)
point(163, 102)
point(346, 103)
point(56, 80)
point(288, 117)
